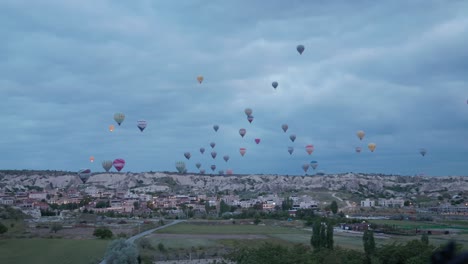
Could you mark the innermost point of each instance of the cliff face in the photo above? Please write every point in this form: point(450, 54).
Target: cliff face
point(153, 182)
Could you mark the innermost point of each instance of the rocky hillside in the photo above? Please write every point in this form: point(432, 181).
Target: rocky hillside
point(359, 184)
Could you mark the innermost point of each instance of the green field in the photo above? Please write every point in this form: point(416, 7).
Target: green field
point(49, 251)
point(185, 228)
point(462, 225)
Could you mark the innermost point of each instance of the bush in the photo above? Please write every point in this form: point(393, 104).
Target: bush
point(103, 233)
point(121, 251)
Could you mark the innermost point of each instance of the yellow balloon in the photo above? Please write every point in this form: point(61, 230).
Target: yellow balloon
point(371, 147)
point(360, 134)
point(200, 79)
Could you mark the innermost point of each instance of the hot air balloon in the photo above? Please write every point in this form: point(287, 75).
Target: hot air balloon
point(202, 150)
point(226, 158)
point(84, 174)
point(202, 171)
point(242, 132)
point(119, 118)
point(229, 171)
point(314, 164)
point(371, 147)
point(180, 166)
point(290, 150)
point(358, 149)
point(91, 159)
point(118, 164)
point(309, 149)
point(360, 134)
point(198, 165)
point(107, 165)
point(212, 144)
point(213, 154)
point(300, 48)
point(292, 137)
point(216, 127)
point(305, 167)
point(257, 140)
point(248, 111)
point(213, 167)
point(284, 127)
point(141, 124)
point(187, 155)
point(111, 128)
point(250, 118)
point(242, 151)
point(274, 84)
point(200, 79)
point(423, 152)
point(220, 172)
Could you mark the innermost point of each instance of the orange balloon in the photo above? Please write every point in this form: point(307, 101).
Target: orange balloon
point(91, 159)
point(200, 79)
point(111, 128)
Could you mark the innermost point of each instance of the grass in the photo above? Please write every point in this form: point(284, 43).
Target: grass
point(49, 251)
point(413, 224)
point(184, 228)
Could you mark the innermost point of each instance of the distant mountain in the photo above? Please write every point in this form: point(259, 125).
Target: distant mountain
point(364, 185)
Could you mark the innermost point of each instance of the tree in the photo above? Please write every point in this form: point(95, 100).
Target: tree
point(315, 239)
point(120, 252)
point(329, 236)
point(56, 227)
point(136, 205)
point(287, 204)
point(3, 228)
point(334, 207)
point(103, 233)
point(425, 239)
point(369, 243)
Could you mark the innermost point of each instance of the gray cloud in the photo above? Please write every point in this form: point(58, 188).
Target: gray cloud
point(396, 70)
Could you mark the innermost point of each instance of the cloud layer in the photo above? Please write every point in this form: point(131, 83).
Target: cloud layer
point(397, 70)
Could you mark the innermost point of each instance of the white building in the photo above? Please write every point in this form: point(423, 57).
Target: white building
point(367, 203)
point(38, 195)
point(391, 202)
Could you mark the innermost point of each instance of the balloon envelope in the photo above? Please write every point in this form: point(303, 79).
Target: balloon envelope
point(180, 166)
point(187, 155)
point(107, 165)
point(229, 171)
point(198, 165)
point(274, 84)
point(119, 118)
point(309, 149)
point(202, 150)
point(215, 127)
point(212, 144)
point(111, 128)
point(257, 140)
point(248, 111)
point(284, 127)
point(250, 118)
point(141, 124)
point(305, 167)
point(242, 132)
point(300, 48)
point(314, 164)
point(423, 151)
point(213, 167)
point(371, 146)
point(91, 159)
point(226, 158)
point(360, 134)
point(290, 150)
point(292, 137)
point(84, 174)
point(213, 154)
point(242, 151)
point(202, 171)
point(200, 79)
point(118, 164)
point(358, 149)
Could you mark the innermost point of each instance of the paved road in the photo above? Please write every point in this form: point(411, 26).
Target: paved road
point(142, 234)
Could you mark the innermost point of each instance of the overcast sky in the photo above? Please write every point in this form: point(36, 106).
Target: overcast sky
point(396, 69)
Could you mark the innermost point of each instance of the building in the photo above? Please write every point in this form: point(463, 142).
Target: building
point(391, 202)
point(367, 203)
